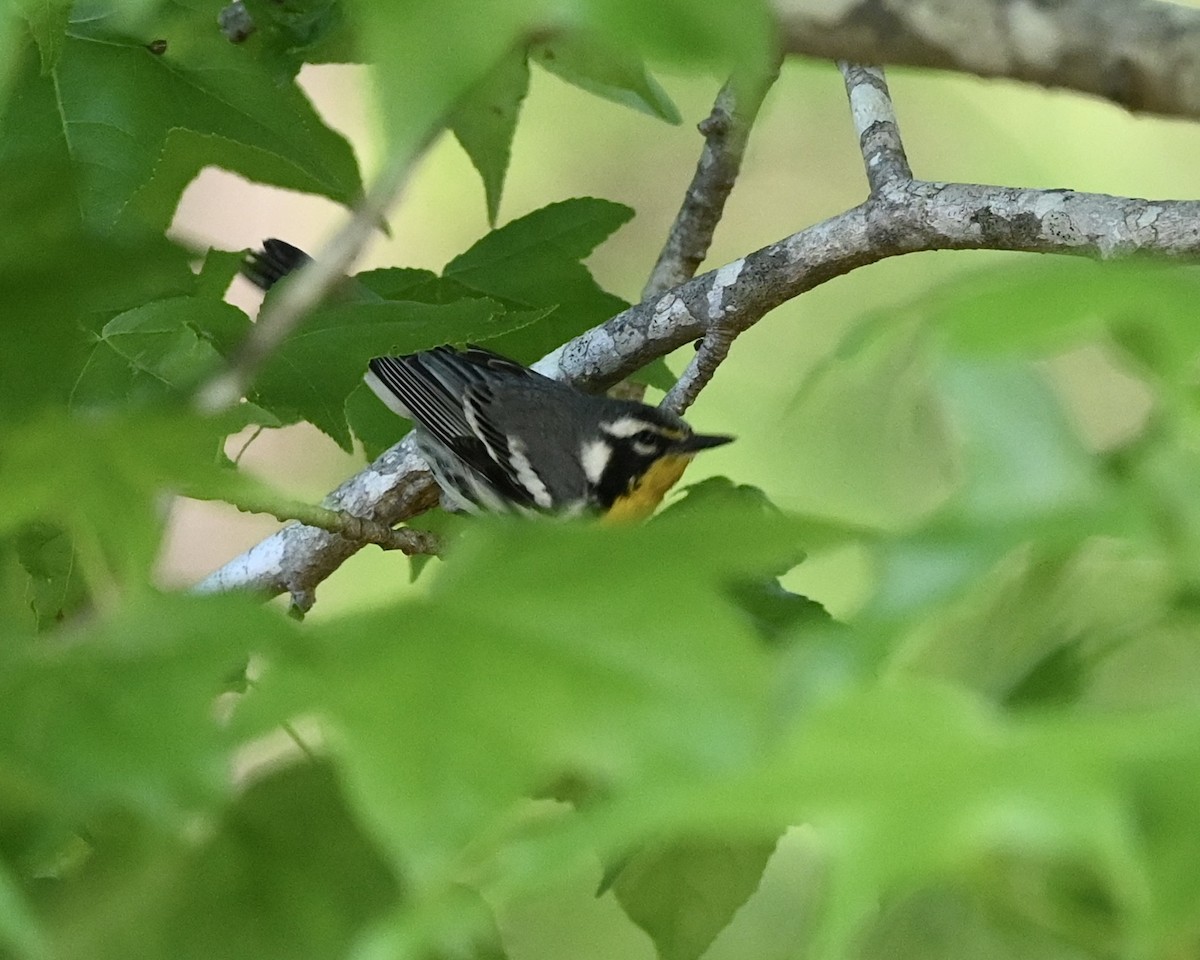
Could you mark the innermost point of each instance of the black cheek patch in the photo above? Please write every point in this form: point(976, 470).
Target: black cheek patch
point(624, 467)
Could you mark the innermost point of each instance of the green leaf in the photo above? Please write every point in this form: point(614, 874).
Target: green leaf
point(878, 390)
point(907, 783)
point(18, 927)
point(694, 32)
point(172, 340)
point(108, 479)
point(56, 586)
point(136, 126)
point(1044, 304)
point(59, 282)
point(315, 31)
point(777, 612)
point(521, 667)
point(218, 272)
point(315, 370)
point(285, 872)
point(655, 374)
point(607, 70)
point(419, 90)
point(684, 893)
point(1037, 629)
point(376, 427)
point(485, 120)
point(124, 715)
point(402, 283)
point(535, 261)
point(1022, 459)
point(1025, 473)
point(47, 20)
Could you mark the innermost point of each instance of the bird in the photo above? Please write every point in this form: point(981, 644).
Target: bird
point(502, 438)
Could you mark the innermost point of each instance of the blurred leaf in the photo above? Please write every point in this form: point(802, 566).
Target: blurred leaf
point(218, 272)
point(1032, 632)
point(315, 31)
point(911, 782)
point(47, 20)
point(108, 476)
point(136, 126)
point(775, 611)
point(172, 340)
point(1025, 473)
point(607, 70)
point(124, 715)
point(313, 372)
point(19, 929)
point(655, 374)
point(285, 873)
point(16, 617)
point(1043, 304)
point(707, 32)
point(56, 586)
point(420, 89)
point(534, 261)
point(684, 893)
point(441, 522)
point(485, 120)
point(1022, 458)
point(520, 667)
point(946, 923)
point(865, 440)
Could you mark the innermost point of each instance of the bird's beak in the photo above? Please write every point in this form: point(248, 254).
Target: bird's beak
point(701, 441)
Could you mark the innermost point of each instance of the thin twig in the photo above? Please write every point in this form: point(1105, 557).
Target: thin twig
point(875, 123)
point(354, 528)
point(307, 287)
point(246, 446)
point(726, 131)
point(710, 354)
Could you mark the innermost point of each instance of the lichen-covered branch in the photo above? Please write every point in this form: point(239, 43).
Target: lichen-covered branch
point(1141, 54)
point(297, 558)
point(875, 123)
point(903, 218)
point(886, 164)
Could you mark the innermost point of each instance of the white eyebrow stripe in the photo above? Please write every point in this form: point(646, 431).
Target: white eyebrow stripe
point(594, 456)
point(626, 427)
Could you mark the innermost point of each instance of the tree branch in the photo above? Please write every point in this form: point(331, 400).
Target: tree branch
point(360, 529)
point(875, 122)
point(901, 216)
point(1141, 54)
point(295, 559)
point(726, 130)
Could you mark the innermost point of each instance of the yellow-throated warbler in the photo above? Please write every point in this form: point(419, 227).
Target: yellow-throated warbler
point(501, 437)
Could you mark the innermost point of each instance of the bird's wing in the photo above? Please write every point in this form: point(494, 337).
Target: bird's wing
point(453, 398)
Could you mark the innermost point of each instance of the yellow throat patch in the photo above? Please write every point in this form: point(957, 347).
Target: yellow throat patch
point(648, 492)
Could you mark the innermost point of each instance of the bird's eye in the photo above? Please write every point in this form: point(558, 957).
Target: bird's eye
point(647, 437)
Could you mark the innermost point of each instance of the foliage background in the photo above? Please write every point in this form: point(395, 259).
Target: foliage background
point(996, 761)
